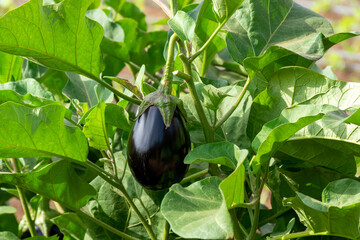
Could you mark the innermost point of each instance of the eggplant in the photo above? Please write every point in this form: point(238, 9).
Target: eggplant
point(155, 152)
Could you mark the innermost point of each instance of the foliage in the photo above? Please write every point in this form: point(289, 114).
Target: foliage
point(264, 120)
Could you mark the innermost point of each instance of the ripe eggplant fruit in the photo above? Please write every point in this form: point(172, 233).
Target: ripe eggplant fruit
point(155, 152)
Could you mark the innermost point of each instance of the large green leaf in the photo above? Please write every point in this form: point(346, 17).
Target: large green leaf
point(337, 214)
point(8, 236)
point(198, 211)
point(95, 128)
point(57, 36)
point(255, 27)
point(10, 68)
point(261, 68)
point(35, 132)
point(295, 85)
point(57, 181)
point(279, 130)
point(225, 153)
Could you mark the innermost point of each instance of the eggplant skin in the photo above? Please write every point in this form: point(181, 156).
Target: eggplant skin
point(156, 153)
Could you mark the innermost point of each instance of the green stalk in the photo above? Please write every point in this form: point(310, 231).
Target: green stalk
point(299, 235)
point(166, 230)
point(194, 176)
point(110, 179)
point(173, 7)
point(238, 233)
point(166, 82)
point(206, 44)
point(233, 107)
point(209, 135)
point(255, 222)
point(23, 201)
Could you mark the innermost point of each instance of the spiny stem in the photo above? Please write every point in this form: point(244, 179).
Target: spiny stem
point(23, 201)
point(166, 82)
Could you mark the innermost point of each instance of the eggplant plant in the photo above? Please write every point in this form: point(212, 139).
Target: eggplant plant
point(226, 129)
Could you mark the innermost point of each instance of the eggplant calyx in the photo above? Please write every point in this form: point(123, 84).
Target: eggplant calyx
point(165, 103)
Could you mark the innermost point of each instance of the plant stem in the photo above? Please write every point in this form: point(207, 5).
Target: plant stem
point(299, 235)
point(206, 44)
point(209, 135)
point(23, 201)
point(238, 233)
point(233, 107)
point(166, 82)
point(118, 185)
point(173, 7)
point(257, 196)
point(194, 176)
point(106, 226)
point(166, 230)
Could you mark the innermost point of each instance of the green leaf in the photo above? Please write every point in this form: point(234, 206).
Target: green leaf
point(118, 117)
point(335, 216)
point(232, 187)
point(36, 132)
point(198, 211)
point(28, 86)
point(183, 25)
point(8, 236)
point(95, 128)
point(10, 68)
point(139, 82)
point(83, 89)
point(57, 181)
point(225, 153)
point(62, 37)
point(253, 28)
point(71, 225)
point(213, 97)
point(107, 206)
point(295, 85)
point(7, 210)
point(261, 68)
point(127, 84)
point(113, 42)
point(115, 4)
point(279, 130)
point(225, 8)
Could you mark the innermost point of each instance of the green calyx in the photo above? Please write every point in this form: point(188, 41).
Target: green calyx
point(165, 103)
